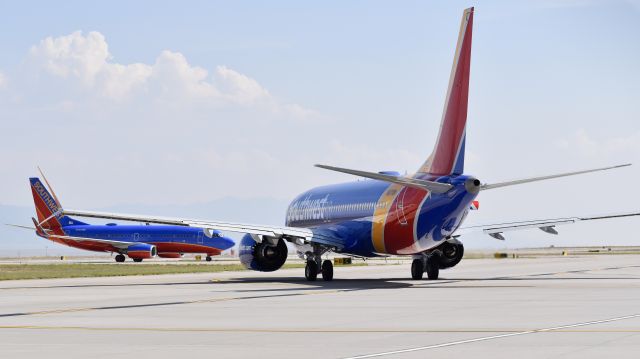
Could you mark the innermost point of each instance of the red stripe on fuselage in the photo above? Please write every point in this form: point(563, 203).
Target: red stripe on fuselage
point(185, 248)
point(399, 234)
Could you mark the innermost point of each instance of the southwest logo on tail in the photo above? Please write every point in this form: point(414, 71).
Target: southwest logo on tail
point(419, 215)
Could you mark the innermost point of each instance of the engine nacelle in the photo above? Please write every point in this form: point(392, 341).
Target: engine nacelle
point(169, 255)
point(141, 251)
point(263, 257)
point(451, 252)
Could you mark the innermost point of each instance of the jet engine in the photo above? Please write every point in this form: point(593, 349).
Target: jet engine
point(264, 256)
point(451, 252)
point(141, 251)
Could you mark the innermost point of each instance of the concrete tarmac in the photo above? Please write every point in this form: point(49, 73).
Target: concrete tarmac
point(550, 307)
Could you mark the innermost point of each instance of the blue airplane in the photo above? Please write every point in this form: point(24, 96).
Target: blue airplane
point(138, 242)
point(419, 215)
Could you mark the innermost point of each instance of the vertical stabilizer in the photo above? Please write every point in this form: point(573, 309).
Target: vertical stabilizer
point(448, 154)
point(48, 207)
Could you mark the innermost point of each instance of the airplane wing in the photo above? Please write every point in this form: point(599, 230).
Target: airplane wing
point(545, 225)
point(258, 232)
point(115, 244)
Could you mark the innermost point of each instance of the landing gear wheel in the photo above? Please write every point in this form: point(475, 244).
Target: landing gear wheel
point(311, 271)
point(120, 258)
point(137, 260)
point(208, 258)
point(327, 270)
point(433, 266)
point(417, 269)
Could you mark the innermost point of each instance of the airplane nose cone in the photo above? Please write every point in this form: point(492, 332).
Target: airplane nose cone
point(226, 243)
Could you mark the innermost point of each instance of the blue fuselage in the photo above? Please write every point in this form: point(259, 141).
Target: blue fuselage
point(167, 239)
point(370, 217)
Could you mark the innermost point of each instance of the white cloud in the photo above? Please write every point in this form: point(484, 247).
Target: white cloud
point(85, 60)
point(582, 142)
point(73, 55)
point(374, 158)
point(240, 88)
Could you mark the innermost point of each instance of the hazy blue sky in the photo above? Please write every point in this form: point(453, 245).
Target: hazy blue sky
point(183, 103)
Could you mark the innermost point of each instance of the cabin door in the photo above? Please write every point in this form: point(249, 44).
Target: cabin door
point(200, 237)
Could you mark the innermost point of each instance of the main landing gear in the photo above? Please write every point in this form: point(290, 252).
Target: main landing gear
point(137, 260)
point(316, 265)
point(120, 258)
point(429, 263)
point(311, 270)
point(208, 258)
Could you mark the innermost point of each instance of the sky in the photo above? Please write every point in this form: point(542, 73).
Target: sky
point(172, 106)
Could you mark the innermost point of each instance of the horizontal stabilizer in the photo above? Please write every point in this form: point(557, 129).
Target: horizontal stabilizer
point(545, 225)
point(435, 187)
point(20, 226)
point(542, 178)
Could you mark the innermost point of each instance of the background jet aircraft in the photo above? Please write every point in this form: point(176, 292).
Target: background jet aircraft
point(418, 215)
point(138, 242)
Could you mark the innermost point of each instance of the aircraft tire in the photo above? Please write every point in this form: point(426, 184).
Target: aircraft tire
point(417, 269)
point(433, 267)
point(137, 260)
point(311, 271)
point(120, 258)
point(327, 270)
point(208, 258)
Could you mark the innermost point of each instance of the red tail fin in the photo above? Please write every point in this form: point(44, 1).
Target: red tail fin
point(46, 205)
point(448, 153)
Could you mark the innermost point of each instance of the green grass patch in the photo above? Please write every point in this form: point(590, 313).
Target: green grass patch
point(45, 271)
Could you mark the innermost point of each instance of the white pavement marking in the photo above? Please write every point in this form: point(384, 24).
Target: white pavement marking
point(494, 337)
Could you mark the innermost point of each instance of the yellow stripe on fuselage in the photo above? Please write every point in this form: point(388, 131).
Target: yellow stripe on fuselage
point(380, 216)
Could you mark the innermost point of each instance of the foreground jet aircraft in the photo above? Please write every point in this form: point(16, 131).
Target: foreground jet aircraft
point(137, 242)
point(418, 215)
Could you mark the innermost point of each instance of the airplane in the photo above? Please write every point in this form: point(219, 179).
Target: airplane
point(138, 242)
point(417, 215)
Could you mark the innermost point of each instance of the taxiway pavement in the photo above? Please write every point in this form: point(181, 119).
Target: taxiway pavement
point(568, 307)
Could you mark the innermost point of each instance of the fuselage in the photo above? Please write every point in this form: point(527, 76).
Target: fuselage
point(373, 218)
point(167, 239)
